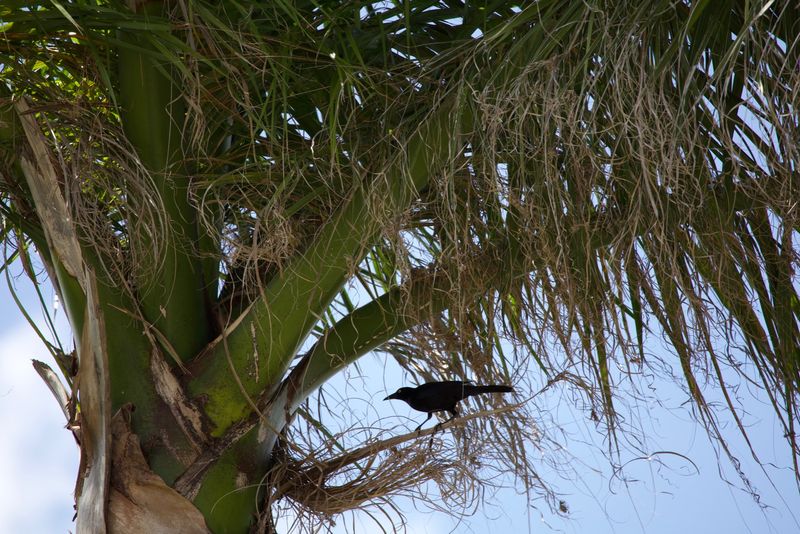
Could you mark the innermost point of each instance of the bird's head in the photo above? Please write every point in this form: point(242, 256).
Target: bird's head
point(400, 394)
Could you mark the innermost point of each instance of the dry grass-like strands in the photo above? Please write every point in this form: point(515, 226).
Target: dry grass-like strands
point(104, 181)
point(368, 478)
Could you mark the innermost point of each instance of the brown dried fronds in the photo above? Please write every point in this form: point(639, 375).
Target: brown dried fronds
point(397, 472)
point(370, 478)
point(621, 174)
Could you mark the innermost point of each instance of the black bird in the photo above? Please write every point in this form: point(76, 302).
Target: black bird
point(442, 396)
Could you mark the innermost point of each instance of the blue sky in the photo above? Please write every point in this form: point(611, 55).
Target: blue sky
point(662, 494)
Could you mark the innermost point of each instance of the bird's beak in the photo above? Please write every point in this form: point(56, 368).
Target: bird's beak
point(390, 397)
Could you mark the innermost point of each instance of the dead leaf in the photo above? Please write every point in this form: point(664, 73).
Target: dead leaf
point(140, 501)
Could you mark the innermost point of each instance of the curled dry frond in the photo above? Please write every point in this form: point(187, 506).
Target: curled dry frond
point(317, 485)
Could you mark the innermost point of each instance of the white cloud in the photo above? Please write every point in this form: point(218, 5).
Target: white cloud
point(38, 457)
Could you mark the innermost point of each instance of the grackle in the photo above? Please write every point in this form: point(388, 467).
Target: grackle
point(442, 396)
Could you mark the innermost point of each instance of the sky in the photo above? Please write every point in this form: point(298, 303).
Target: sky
point(660, 494)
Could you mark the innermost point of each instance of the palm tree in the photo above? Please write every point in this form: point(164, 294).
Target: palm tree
point(237, 200)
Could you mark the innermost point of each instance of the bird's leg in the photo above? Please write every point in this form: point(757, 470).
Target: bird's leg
point(435, 430)
point(438, 426)
point(430, 414)
point(453, 415)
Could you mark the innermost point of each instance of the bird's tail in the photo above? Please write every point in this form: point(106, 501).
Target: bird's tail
point(470, 390)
